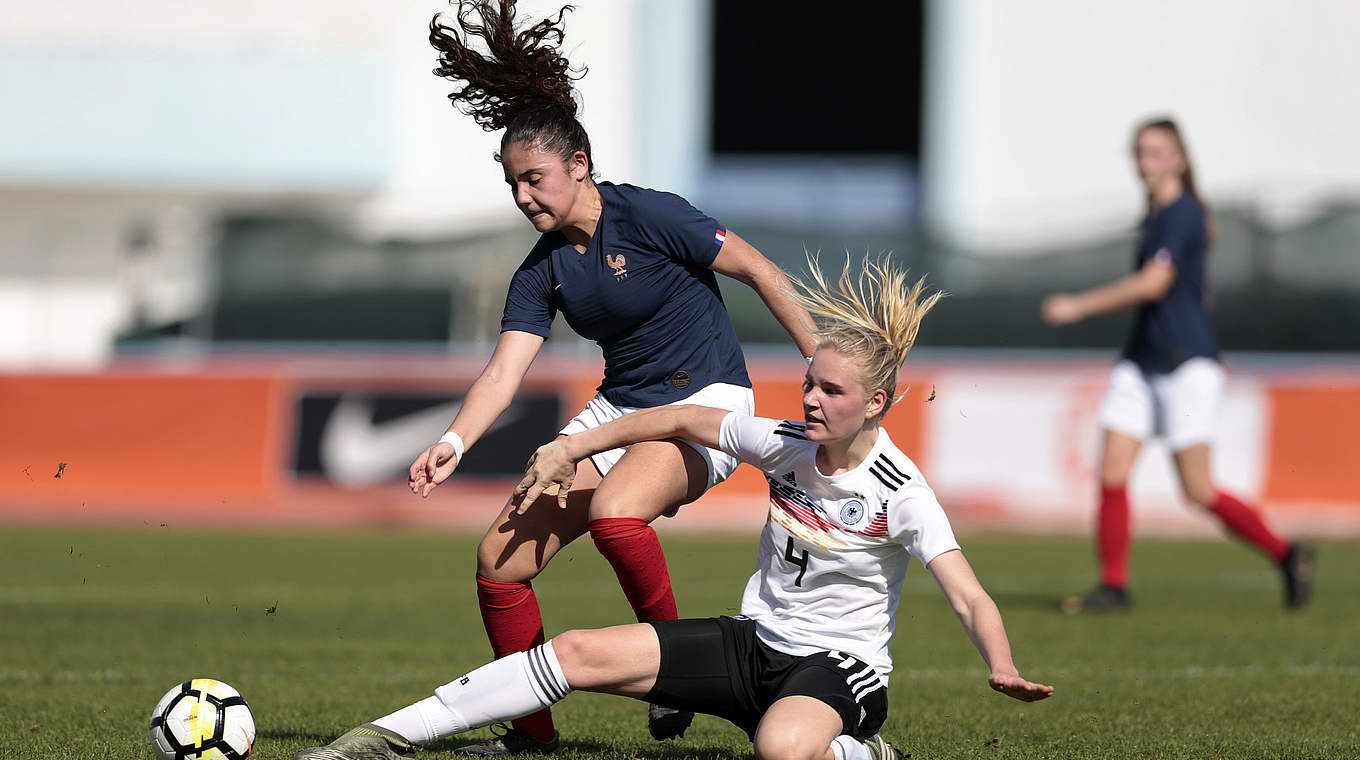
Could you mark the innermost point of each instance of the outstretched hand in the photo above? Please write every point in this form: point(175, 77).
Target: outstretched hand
point(1013, 685)
point(549, 466)
point(434, 466)
point(1060, 309)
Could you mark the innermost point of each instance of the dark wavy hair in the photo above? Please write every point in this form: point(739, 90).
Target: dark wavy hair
point(521, 83)
point(1168, 126)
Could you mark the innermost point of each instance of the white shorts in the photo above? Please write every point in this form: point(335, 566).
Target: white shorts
point(733, 398)
point(1181, 407)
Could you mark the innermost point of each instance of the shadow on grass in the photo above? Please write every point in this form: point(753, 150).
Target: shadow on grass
point(666, 751)
point(672, 751)
point(583, 746)
point(1044, 602)
point(285, 735)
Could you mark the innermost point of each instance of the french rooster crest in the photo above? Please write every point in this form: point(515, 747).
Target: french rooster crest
point(616, 263)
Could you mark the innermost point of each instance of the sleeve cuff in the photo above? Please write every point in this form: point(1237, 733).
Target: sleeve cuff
point(532, 329)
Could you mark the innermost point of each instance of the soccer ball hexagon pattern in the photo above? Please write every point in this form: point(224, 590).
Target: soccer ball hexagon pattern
point(202, 719)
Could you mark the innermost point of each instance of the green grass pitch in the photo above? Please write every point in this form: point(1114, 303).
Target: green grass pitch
point(322, 632)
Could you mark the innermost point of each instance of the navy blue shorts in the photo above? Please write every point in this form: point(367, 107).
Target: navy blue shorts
point(718, 666)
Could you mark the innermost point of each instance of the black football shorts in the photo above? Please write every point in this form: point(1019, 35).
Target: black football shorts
point(718, 666)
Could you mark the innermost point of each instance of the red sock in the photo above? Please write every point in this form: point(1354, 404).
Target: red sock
point(632, 548)
point(514, 624)
point(1247, 523)
point(1112, 536)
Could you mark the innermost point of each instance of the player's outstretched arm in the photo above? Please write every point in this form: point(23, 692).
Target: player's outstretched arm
point(1149, 283)
point(741, 261)
point(555, 463)
point(982, 620)
point(488, 397)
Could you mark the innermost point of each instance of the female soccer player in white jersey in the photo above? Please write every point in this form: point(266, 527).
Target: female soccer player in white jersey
point(634, 270)
point(1169, 381)
point(804, 668)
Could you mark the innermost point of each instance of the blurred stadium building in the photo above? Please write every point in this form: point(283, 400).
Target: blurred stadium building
point(183, 183)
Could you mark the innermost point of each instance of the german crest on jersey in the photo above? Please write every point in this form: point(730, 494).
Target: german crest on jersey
point(852, 512)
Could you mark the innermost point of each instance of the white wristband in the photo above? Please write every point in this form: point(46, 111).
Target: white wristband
point(456, 441)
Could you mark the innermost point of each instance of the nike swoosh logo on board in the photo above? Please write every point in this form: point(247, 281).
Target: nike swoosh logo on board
point(356, 451)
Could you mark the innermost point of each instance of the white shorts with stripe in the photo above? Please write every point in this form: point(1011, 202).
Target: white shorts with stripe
point(1181, 407)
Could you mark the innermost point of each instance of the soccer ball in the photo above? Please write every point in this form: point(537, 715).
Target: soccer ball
point(202, 719)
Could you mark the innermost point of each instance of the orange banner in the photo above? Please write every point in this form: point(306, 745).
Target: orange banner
point(223, 441)
point(1314, 438)
point(91, 441)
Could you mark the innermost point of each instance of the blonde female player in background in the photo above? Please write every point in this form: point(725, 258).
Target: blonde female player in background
point(804, 669)
point(1169, 381)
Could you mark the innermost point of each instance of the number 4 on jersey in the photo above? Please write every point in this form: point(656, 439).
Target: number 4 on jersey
point(801, 562)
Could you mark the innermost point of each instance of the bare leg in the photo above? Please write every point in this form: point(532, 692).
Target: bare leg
point(650, 480)
point(1192, 465)
point(797, 728)
point(1118, 453)
point(1244, 520)
point(518, 546)
point(623, 659)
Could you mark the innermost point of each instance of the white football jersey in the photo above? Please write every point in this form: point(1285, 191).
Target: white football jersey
point(835, 549)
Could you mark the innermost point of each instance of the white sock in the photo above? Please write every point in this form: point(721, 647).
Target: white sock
point(421, 722)
point(510, 687)
point(846, 747)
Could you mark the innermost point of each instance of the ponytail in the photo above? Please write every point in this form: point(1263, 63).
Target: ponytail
point(521, 83)
point(873, 318)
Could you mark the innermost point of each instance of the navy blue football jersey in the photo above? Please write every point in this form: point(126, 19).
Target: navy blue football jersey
point(1176, 328)
point(643, 291)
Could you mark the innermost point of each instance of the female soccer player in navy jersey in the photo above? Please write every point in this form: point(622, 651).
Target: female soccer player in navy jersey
point(804, 668)
point(1169, 381)
point(632, 269)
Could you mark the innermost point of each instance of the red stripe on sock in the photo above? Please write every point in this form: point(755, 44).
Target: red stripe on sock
point(1112, 536)
point(634, 551)
point(1247, 523)
point(514, 624)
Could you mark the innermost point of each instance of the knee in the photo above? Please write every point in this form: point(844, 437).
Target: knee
point(573, 649)
point(1201, 494)
point(784, 746)
point(486, 561)
point(1116, 463)
point(1114, 472)
point(1113, 483)
point(1198, 489)
point(614, 503)
point(608, 505)
point(493, 563)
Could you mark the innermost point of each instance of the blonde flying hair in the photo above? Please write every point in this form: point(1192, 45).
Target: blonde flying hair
point(872, 318)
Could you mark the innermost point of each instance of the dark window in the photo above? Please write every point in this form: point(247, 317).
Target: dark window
point(796, 76)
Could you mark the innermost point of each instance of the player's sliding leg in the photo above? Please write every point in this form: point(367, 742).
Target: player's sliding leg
point(621, 660)
point(514, 550)
point(1118, 454)
point(651, 479)
point(806, 728)
point(1245, 521)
